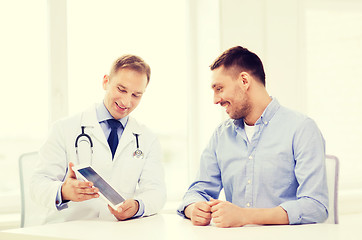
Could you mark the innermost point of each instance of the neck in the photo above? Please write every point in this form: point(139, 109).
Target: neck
point(259, 100)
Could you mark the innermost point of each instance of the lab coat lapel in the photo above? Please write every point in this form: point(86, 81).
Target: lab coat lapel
point(94, 129)
point(127, 136)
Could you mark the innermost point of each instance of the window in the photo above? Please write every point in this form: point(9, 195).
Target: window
point(334, 56)
point(23, 92)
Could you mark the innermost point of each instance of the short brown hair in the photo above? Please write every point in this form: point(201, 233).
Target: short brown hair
point(242, 59)
point(132, 62)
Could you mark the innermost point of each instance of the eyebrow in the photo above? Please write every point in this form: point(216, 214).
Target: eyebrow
point(120, 85)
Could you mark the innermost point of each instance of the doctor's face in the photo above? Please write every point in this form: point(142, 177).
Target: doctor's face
point(230, 92)
point(123, 91)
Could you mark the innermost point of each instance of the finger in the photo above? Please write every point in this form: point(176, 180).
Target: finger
point(126, 205)
point(71, 173)
point(215, 207)
point(203, 206)
point(213, 202)
point(114, 212)
point(87, 190)
point(202, 214)
point(81, 184)
point(215, 215)
point(88, 196)
point(200, 221)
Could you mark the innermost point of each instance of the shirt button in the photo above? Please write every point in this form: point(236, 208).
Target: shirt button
point(248, 204)
point(251, 157)
point(265, 122)
point(249, 181)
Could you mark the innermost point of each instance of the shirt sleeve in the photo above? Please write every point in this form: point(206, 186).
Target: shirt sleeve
point(141, 209)
point(60, 204)
point(208, 181)
point(311, 205)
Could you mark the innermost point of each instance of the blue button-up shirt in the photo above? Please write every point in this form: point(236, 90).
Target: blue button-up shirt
point(283, 165)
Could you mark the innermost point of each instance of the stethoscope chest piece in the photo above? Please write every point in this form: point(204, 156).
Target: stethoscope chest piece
point(138, 154)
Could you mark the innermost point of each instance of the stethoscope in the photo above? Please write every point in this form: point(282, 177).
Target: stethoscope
point(79, 140)
point(138, 154)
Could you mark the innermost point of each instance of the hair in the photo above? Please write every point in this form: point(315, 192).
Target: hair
point(131, 62)
point(242, 60)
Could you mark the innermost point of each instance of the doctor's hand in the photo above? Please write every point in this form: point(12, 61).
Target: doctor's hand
point(75, 190)
point(127, 210)
point(199, 213)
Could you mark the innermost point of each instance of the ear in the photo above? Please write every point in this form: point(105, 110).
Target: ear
point(244, 80)
point(105, 81)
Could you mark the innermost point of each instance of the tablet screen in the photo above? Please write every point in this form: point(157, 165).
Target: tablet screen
point(102, 185)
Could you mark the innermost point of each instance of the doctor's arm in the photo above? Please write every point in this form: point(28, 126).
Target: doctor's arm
point(50, 171)
point(151, 185)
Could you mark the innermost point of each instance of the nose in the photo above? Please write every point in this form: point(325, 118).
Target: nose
point(217, 99)
point(126, 100)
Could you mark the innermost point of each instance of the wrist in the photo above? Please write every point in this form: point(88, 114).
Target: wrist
point(62, 193)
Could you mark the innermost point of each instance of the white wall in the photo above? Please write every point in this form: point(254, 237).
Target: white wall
point(272, 30)
point(204, 42)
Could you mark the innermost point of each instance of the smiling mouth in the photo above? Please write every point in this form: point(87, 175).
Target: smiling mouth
point(225, 105)
point(122, 108)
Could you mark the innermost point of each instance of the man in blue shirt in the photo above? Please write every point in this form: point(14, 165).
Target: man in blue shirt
point(269, 159)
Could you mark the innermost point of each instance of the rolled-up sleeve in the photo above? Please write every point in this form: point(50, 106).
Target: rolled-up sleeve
point(311, 205)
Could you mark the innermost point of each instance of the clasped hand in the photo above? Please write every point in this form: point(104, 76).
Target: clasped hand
point(223, 213)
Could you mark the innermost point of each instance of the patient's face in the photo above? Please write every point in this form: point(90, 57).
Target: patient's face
point(229, 92)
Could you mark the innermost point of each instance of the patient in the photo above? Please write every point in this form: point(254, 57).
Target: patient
point(268, 159)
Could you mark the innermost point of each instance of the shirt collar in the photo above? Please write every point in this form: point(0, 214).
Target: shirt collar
point(269, 111)
point(265, 117)
point(103, 115)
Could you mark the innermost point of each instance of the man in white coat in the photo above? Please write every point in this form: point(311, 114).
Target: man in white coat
point(139, 180)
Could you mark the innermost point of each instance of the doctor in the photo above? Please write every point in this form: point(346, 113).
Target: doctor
point(115, 137)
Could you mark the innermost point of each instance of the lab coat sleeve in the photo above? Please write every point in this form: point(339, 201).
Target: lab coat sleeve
point(151, 186)
point(50, 169)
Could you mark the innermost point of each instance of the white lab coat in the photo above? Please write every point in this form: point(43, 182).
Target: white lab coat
point(141, 179)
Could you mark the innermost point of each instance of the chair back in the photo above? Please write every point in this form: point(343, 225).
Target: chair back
point(32, 214)
point(332, 169)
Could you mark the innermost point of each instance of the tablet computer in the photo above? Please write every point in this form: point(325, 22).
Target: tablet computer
point(106, 191)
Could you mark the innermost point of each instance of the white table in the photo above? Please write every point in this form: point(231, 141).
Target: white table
point(172, 226)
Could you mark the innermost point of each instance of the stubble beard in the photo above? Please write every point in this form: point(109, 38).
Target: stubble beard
point(242, 111)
